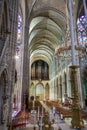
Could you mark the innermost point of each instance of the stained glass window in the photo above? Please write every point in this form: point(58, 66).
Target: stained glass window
point(82, 30)
point(19, 29)
point(19, 35)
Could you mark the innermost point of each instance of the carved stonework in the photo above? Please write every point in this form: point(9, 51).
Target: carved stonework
point(5, 111)
point(67, 37)
point(46, 123)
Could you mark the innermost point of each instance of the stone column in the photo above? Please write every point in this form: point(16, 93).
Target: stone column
point(13, 15)
point(25, 80)
point(44, 94)
point(77, 121)
point(59, 95)
point(57, 88)
point(76, 109)
point(60, 88)
point(53, 89)
point(72, 33)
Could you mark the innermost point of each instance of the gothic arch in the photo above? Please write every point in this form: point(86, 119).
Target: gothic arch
point(32, 84)
point(4, 80)
point(32, 90)
point(40, 91)
point(4, 96)
point(15, 90)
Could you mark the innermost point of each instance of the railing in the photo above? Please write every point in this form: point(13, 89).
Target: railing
point(25, 118)
point(19, 122)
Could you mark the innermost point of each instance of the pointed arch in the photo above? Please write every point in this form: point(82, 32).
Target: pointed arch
point(47, 91)
point(32, 90)
point(4, 96)
point(40, 91)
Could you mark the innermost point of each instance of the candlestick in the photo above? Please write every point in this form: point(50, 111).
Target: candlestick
point(41, 124)
point(42, 111)
point(58, 121)
point(34, 120)
point(50, 116)
point(38, 112)
point(33, 104)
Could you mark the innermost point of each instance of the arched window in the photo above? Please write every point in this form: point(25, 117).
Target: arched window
point(19, 28)
point(18, 61)
point(19, 34)
point(39, 70)
point(82, 30)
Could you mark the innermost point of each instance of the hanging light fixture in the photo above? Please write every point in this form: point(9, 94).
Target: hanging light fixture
point(64, 49)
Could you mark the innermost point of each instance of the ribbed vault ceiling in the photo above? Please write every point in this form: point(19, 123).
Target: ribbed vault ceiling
point(47, 27)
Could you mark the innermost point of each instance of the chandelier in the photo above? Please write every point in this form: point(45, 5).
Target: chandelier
point(64, 49)
point(81, 45)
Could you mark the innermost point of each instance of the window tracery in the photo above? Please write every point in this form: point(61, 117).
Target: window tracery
point(19, 29)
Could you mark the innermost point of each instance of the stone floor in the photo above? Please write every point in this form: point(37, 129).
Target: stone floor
point(63, 124)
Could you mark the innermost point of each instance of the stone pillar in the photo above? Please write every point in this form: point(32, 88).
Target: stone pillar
point(77, 121)
point(44, 94)
point(57, 88)
point(53, 89)
point(68, 84)
point(25, 80)
point(13, 15)
point(60, 88)
point(63, 87)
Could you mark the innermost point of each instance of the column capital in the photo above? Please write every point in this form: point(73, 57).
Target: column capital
point(74, 66)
